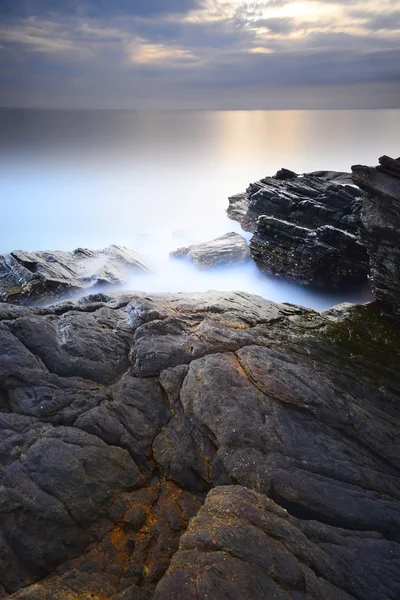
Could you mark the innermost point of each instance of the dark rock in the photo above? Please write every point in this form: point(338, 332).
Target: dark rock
point(242, 545)
point(45, 276)
point(340, 177)
point(323, 257)
point(381, 228)
point(305, 229)
point(285, 174)
point(305, 200)
point(117, 419)
point(228, 249)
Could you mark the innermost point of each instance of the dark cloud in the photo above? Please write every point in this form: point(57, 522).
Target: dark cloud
point(94, 8)
point(301, 67)
point(277, 24)
point(388, 20)
point(197, 34)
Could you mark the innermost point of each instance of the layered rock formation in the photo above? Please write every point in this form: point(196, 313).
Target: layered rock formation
point(325, 257)
point(305, 200)
point(44, 276)
point(340, 177)
point(228, 249)
point(380, 233)
point(305, 229)
point(121, 420)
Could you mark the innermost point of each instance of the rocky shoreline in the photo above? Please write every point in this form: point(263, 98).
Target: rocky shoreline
point(208, 446)
point(32, 277)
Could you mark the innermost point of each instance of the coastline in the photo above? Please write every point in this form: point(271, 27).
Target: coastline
point(205, 445)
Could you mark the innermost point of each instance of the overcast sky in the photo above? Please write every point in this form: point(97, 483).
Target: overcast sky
point(200, 53)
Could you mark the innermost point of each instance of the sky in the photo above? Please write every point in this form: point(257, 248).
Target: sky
point(211, 54)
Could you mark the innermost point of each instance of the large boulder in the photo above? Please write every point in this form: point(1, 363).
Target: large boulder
point(122, 420)
point(305, 228)
point(44, 276)
point(228, 249)
point(380, 233)
point(324, 257)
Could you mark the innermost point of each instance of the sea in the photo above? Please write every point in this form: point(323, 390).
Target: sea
point(156, 181)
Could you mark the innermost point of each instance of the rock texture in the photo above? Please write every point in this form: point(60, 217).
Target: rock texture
point(340, 177)
point(44, 276)
point(381, 228)
point(325, 257)
point(243, 545)
point(305, 229)
point(272, 427)
point(228, 249)
point(305, 200)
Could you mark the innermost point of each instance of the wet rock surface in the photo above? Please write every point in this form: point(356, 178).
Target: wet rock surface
point(228, 249)
point(325, 257)
point(380, 233)
point(198, 446)
point(306, 228)
point(32, 276)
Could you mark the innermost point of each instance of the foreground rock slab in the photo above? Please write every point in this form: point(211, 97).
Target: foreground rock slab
point(305, 228)
point(228, 249)
point(198, 446)
point(44, 276)
point(243, 545)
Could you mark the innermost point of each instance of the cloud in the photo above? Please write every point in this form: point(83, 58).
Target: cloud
point(188, 49)
point(94, 8)
point(276, 24)
point(384, 21)
point(44, 37)
point(141, 52)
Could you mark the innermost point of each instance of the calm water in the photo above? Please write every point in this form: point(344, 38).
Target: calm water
point(155, 181)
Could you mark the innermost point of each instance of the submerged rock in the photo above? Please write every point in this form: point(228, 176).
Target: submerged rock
point(45, 276)
point(228, 249)
point(305, 229)
point(122, 420)
point(380, 233)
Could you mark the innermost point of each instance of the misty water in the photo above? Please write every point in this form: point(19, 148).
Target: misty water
point(155, 181)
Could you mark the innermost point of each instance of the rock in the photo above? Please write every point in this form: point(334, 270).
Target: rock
point(325, 257)
point(305, 200)
point(228, 249)
point(242, 541)
point(380, 233)
point(305, 229)
point(31, 276)
point(340, 177)
point(285, 174)
point(198, 446)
